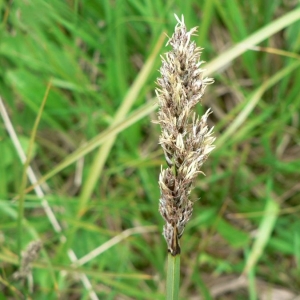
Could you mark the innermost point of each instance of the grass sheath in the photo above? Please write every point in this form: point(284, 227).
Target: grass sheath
point(185, 138)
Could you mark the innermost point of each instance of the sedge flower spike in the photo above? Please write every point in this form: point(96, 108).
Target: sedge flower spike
point(185, 138)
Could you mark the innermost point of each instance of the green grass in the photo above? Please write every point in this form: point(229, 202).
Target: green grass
point(101, 59)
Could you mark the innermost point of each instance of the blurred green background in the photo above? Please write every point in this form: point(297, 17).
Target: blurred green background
point(96, 150)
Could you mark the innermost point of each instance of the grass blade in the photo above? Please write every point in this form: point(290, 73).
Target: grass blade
point(264, 231)
point(257, 37)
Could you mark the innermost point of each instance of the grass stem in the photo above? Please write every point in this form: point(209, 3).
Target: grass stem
point(173, 276)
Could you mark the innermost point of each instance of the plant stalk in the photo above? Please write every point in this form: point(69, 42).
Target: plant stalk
point(173, 276)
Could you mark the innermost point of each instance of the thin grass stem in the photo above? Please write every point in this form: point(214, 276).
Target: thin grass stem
point(173, 276)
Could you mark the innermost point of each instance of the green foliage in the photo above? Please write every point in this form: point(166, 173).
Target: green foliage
point(101, 58)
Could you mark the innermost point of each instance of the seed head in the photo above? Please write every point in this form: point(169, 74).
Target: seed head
point(185, 138)
point(28, 256)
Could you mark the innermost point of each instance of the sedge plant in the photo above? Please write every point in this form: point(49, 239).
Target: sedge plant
point(185, 138)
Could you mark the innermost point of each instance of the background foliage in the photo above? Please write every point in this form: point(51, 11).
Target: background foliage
point(100, 60)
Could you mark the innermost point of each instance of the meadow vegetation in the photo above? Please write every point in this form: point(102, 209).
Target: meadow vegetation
point(77, 81)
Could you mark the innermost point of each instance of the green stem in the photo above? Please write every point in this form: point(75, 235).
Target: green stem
point(173, 276)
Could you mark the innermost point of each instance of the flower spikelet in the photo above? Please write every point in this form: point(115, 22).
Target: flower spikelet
point(185, 138)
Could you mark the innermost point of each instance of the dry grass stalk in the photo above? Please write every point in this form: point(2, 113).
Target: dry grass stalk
point(185, 138)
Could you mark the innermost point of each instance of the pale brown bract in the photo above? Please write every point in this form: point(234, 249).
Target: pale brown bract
point(185, 138)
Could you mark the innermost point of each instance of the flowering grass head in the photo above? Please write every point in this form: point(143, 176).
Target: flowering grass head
point(185, 137)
